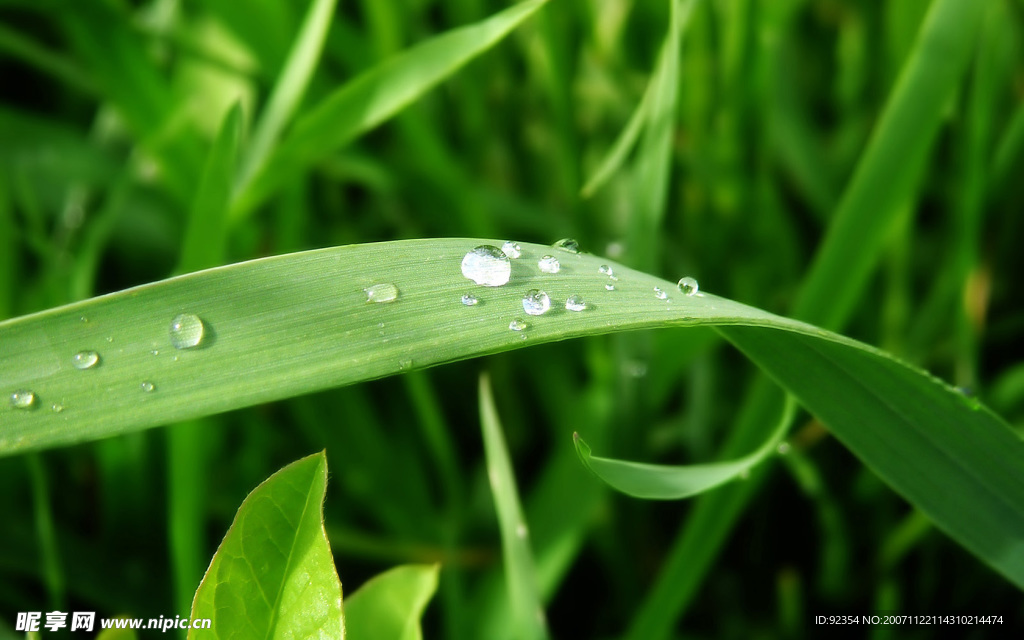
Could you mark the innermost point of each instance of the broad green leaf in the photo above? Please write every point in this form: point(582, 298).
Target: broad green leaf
point(377, 95)
point(389, 606)
point(665, 482)
point(273, 575)
point(528, 616)
point(297, 323)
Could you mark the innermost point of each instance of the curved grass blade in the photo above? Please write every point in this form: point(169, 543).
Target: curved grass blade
point(520, 571)
point(293, 324)
point(273, 575)
point(377, 95)
point(664, 482)
point(389, 606)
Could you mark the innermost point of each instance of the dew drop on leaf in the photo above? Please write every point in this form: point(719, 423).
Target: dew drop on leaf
point(517, 325)
point(470, 300)
point(512, 249)
point(187, 331)
point(147, 386)
point(383, 292)
point(23, 399)
point(487, 265)
point(549, 264)
point(688, 285)
point(660, 294)
point(609, 287)
point(575, 303)
point(85, 360)
point(536, 302)
point(567, 244)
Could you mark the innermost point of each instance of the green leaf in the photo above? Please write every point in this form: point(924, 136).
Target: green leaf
point(273, 575)
point(663, 482)
point(389, 606)
point(376, 96)
point(520, 570)
point(297, 323)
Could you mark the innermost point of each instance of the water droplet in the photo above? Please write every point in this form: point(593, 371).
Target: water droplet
point(660, 294)
point(783, 448)
point(186, 331)
point(404, 365)
point(536, 302)
point(85, 359)
point(605, 270)
point(609, 287)
point(517, 325)
point(56, 407)
point(470, 300)
point(147, 386)
point(382, 292)
point(110, 338)
point(84, 319)
point(688, 285)
point(567, 244)
point(575, 303)
point(549, 264)
point(155, 352)
point(487, 265)
point(511, 249)
point(23, 399)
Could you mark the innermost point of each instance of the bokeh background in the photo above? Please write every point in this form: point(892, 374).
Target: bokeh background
point(108, 109)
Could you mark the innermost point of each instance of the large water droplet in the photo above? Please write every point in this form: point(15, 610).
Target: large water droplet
point(536, 302)
point(549, 264)
point(575, 303)
point(487, 265)
point(85, 359)
point(470, 300)
point(186, 331)
point(660, 294)
point(567, 244)
point(382, 292)
point(517, 325)
point(147, 386)
point(512, 249)
point(23, 399)
point(688, 285)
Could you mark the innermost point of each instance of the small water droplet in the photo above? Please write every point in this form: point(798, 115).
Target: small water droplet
point(512, 249)
point(536, 302)
point(404, 365)
point(110, 338)
point(186, 331)
point(783, 448)
point(549, 264)
point(147, 386)
point(56, 407)
point(83, 319)
point(23, 399)
point(517, 325)
point(382, 292)
point(85, 360)
point(688, 285)
point(575, 303)
point(660, 294)
point(567, 244)
point(605, 270)
point(155, 352)
point(487, 265)
point(470, 300)
point(609, 287)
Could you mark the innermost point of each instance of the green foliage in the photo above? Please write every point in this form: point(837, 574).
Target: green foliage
point(847, 164)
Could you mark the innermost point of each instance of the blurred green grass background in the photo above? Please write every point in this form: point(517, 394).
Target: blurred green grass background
point(758, 120)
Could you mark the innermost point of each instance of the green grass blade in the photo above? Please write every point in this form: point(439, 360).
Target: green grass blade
point(273, 575)
point(664, 482)
point(520, 572)
point(290, 87)
point(623, 144)
point(891, 165)
point(293, 324)
point(377, 95)
point(389, 606)
point(206, 235)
